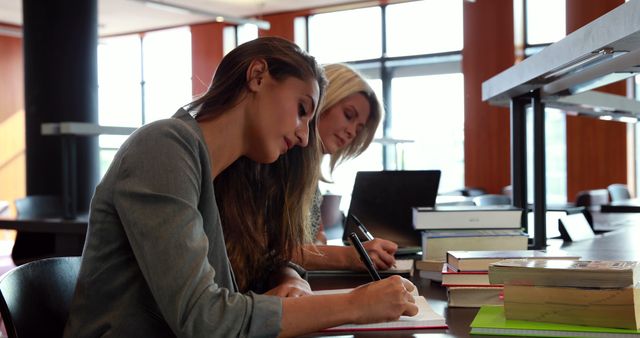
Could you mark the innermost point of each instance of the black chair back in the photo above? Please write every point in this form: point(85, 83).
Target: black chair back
point(35, 297)
point(592, 198)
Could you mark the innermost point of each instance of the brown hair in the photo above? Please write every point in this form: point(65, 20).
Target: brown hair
point(229, 84)
point(263, 207)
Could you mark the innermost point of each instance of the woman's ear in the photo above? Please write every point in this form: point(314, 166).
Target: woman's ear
point(256, 72)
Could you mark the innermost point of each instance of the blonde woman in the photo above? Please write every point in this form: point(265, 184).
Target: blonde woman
point(347, 121)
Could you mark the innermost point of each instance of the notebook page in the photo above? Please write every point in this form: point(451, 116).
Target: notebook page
point(426, 317)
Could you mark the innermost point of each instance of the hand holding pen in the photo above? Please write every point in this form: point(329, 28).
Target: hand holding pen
point(381, 251)
point(355, 241)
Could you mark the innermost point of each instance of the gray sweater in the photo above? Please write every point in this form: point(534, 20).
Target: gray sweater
point(154, 262)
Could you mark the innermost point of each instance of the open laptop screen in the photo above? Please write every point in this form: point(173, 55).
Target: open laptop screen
point(382, 200)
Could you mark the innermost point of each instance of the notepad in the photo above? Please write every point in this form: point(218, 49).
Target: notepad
point(425, 319)
point(490, 321)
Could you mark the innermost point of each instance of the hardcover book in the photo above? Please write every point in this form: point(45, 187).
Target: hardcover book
point(560, 272)
point(474, 296)
point(436, 243)
point(479, 260)
point(617, 308)
point(464, 278)
point(466, 217)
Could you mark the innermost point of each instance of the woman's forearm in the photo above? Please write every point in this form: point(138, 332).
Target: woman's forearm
point(298, 312)
point(326, 257)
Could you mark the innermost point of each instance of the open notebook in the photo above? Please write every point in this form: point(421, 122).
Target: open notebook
point(425, 319)
point(403, 267)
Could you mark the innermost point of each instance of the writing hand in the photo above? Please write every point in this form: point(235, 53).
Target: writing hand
point(384, 300)
point(381, 252)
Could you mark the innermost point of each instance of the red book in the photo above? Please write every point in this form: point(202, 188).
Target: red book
point(450, 277)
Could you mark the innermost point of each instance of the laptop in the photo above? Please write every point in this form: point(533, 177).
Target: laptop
point(382, 201)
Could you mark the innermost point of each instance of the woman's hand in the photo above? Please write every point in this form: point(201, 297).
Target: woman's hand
point(290, 284)
point(381, 252)
point(384, 300)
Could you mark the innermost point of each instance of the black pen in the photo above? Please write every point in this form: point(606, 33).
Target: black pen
point(355, 241)
point(362, 228)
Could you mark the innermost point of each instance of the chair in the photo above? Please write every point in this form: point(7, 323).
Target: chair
point(592, 198)
point(35, 297)
point(472, 192)
point(332, 217)
point(490, 199)
point(30, 246)
point(618, 192)
point(507, 190)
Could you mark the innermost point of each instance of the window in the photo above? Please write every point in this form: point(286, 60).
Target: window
point(429, 111)
point(141, 79)
point(545, 21)
point(410, 76)
point(545, 24)
point(439, 24)
point(329, 41)
point(555, 156)
point(233, 36)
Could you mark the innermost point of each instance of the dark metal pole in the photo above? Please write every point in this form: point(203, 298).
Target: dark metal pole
point(519, 154)
point(539, 179)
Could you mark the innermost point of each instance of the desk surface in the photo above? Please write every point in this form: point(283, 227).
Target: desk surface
point(616, 245)
point(46, 225)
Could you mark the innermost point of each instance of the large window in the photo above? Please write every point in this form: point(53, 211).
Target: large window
point(141, 79)
point(545, 21)
point(329, 41)
point(414, 65)
point(545, 24)
point(233, 36)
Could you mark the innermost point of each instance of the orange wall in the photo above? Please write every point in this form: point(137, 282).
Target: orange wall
point(488, 50)
point(596, 150)
point(12, 120)
point(206, 53)
point(281, 24)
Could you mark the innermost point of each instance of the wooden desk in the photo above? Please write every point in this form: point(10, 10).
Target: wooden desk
point(615, 245)
point(68, 234)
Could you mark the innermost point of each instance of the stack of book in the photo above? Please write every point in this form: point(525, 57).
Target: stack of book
point(430, 269)
point(447, 228)
point(590, 293)
point(466, 275)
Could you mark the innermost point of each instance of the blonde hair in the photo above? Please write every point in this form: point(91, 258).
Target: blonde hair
point(343, 82)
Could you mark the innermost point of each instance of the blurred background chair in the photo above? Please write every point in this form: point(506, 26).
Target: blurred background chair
point(508, 191)
point(490, 199)
point(592, 200)
point(466, 192)
point(332, 217)
point(472, 192)
point(618, 192)
point(30, 246)
point(35, 297)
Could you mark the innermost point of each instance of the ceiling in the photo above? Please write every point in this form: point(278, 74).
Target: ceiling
point(127, 16)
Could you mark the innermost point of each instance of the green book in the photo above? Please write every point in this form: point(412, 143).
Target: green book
point(490, 321)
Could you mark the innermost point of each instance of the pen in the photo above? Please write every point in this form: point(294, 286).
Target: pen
point(355, 241)
point(364, 230)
